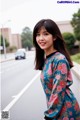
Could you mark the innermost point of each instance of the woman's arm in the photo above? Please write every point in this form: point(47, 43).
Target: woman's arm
point(57, 96)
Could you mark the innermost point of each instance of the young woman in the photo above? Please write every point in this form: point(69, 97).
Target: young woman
point(53, 60)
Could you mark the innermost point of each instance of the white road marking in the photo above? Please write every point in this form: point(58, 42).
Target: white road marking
point(14, 96)
point(8, 107)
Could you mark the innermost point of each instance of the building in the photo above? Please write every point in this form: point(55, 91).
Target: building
point(16, 41)
point(13, 39)
point(65, 26)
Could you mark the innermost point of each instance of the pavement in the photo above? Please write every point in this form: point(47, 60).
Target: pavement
point(5, 60)
point(9, 57)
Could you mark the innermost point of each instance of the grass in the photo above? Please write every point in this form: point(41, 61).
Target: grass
point(76, 58)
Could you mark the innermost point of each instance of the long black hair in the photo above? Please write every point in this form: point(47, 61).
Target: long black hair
point(59, 43)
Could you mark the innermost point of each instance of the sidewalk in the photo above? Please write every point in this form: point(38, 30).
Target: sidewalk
point(9, 56)
point(5, 60)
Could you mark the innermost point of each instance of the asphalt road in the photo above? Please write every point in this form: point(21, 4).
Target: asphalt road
point(21, 91)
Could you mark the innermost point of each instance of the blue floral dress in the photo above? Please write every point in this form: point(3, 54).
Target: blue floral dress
point(56, 79)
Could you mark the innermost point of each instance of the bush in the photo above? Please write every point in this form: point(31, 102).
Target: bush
point(69, 39)
point(76, 58)
point(12, 48)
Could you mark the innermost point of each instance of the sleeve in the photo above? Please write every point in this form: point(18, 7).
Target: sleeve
point(57, 96)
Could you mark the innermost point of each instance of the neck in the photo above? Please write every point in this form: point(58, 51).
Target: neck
point(49, 52)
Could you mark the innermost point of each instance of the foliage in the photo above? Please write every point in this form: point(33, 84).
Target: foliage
point(12, 48)
point(76, 24)
point(76, 57)
point(26, 37)
point(69, 39)
point(1, 41)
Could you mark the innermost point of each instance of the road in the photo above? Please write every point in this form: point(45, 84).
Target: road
point(21, 90)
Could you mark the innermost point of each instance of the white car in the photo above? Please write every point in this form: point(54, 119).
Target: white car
point(22, 49)
point(20, 54)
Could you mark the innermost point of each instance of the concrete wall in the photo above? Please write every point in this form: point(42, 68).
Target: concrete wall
point(16, 40)
point(65, 26)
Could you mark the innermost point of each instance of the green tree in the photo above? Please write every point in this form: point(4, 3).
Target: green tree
point(76, 25)
point(26, 37)
point(69, 39)
point(1, 41)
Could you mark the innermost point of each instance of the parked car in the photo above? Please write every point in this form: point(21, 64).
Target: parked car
point(20, 54)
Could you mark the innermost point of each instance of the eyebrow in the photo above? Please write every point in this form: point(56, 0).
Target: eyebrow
point(43, 31)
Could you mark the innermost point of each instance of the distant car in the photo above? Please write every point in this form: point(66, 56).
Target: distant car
point(22, 49)
point(20, 54)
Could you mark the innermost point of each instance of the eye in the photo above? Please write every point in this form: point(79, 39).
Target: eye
point(46, 33)
point(38, 34)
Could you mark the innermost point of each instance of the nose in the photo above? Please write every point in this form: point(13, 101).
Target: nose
point(41, 37)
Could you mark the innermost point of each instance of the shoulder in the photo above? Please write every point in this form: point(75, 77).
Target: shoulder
point(59, 58)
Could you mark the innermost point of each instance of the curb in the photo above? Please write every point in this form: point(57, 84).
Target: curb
point(6, 60)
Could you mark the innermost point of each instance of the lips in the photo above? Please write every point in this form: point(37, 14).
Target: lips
point(42, 43)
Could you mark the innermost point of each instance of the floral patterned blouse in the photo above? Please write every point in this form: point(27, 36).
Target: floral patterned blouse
point(56, 79)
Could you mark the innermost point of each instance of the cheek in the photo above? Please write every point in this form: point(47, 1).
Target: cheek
point(50, 42)
point(36, 40)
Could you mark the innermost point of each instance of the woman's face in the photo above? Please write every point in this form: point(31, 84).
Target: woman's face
point(45, 40)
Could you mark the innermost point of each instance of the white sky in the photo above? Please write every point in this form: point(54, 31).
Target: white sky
point(24, 13)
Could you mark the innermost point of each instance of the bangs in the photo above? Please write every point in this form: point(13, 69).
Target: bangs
point(46, 24)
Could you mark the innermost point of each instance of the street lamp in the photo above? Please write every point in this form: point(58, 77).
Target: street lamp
point(4, 44)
